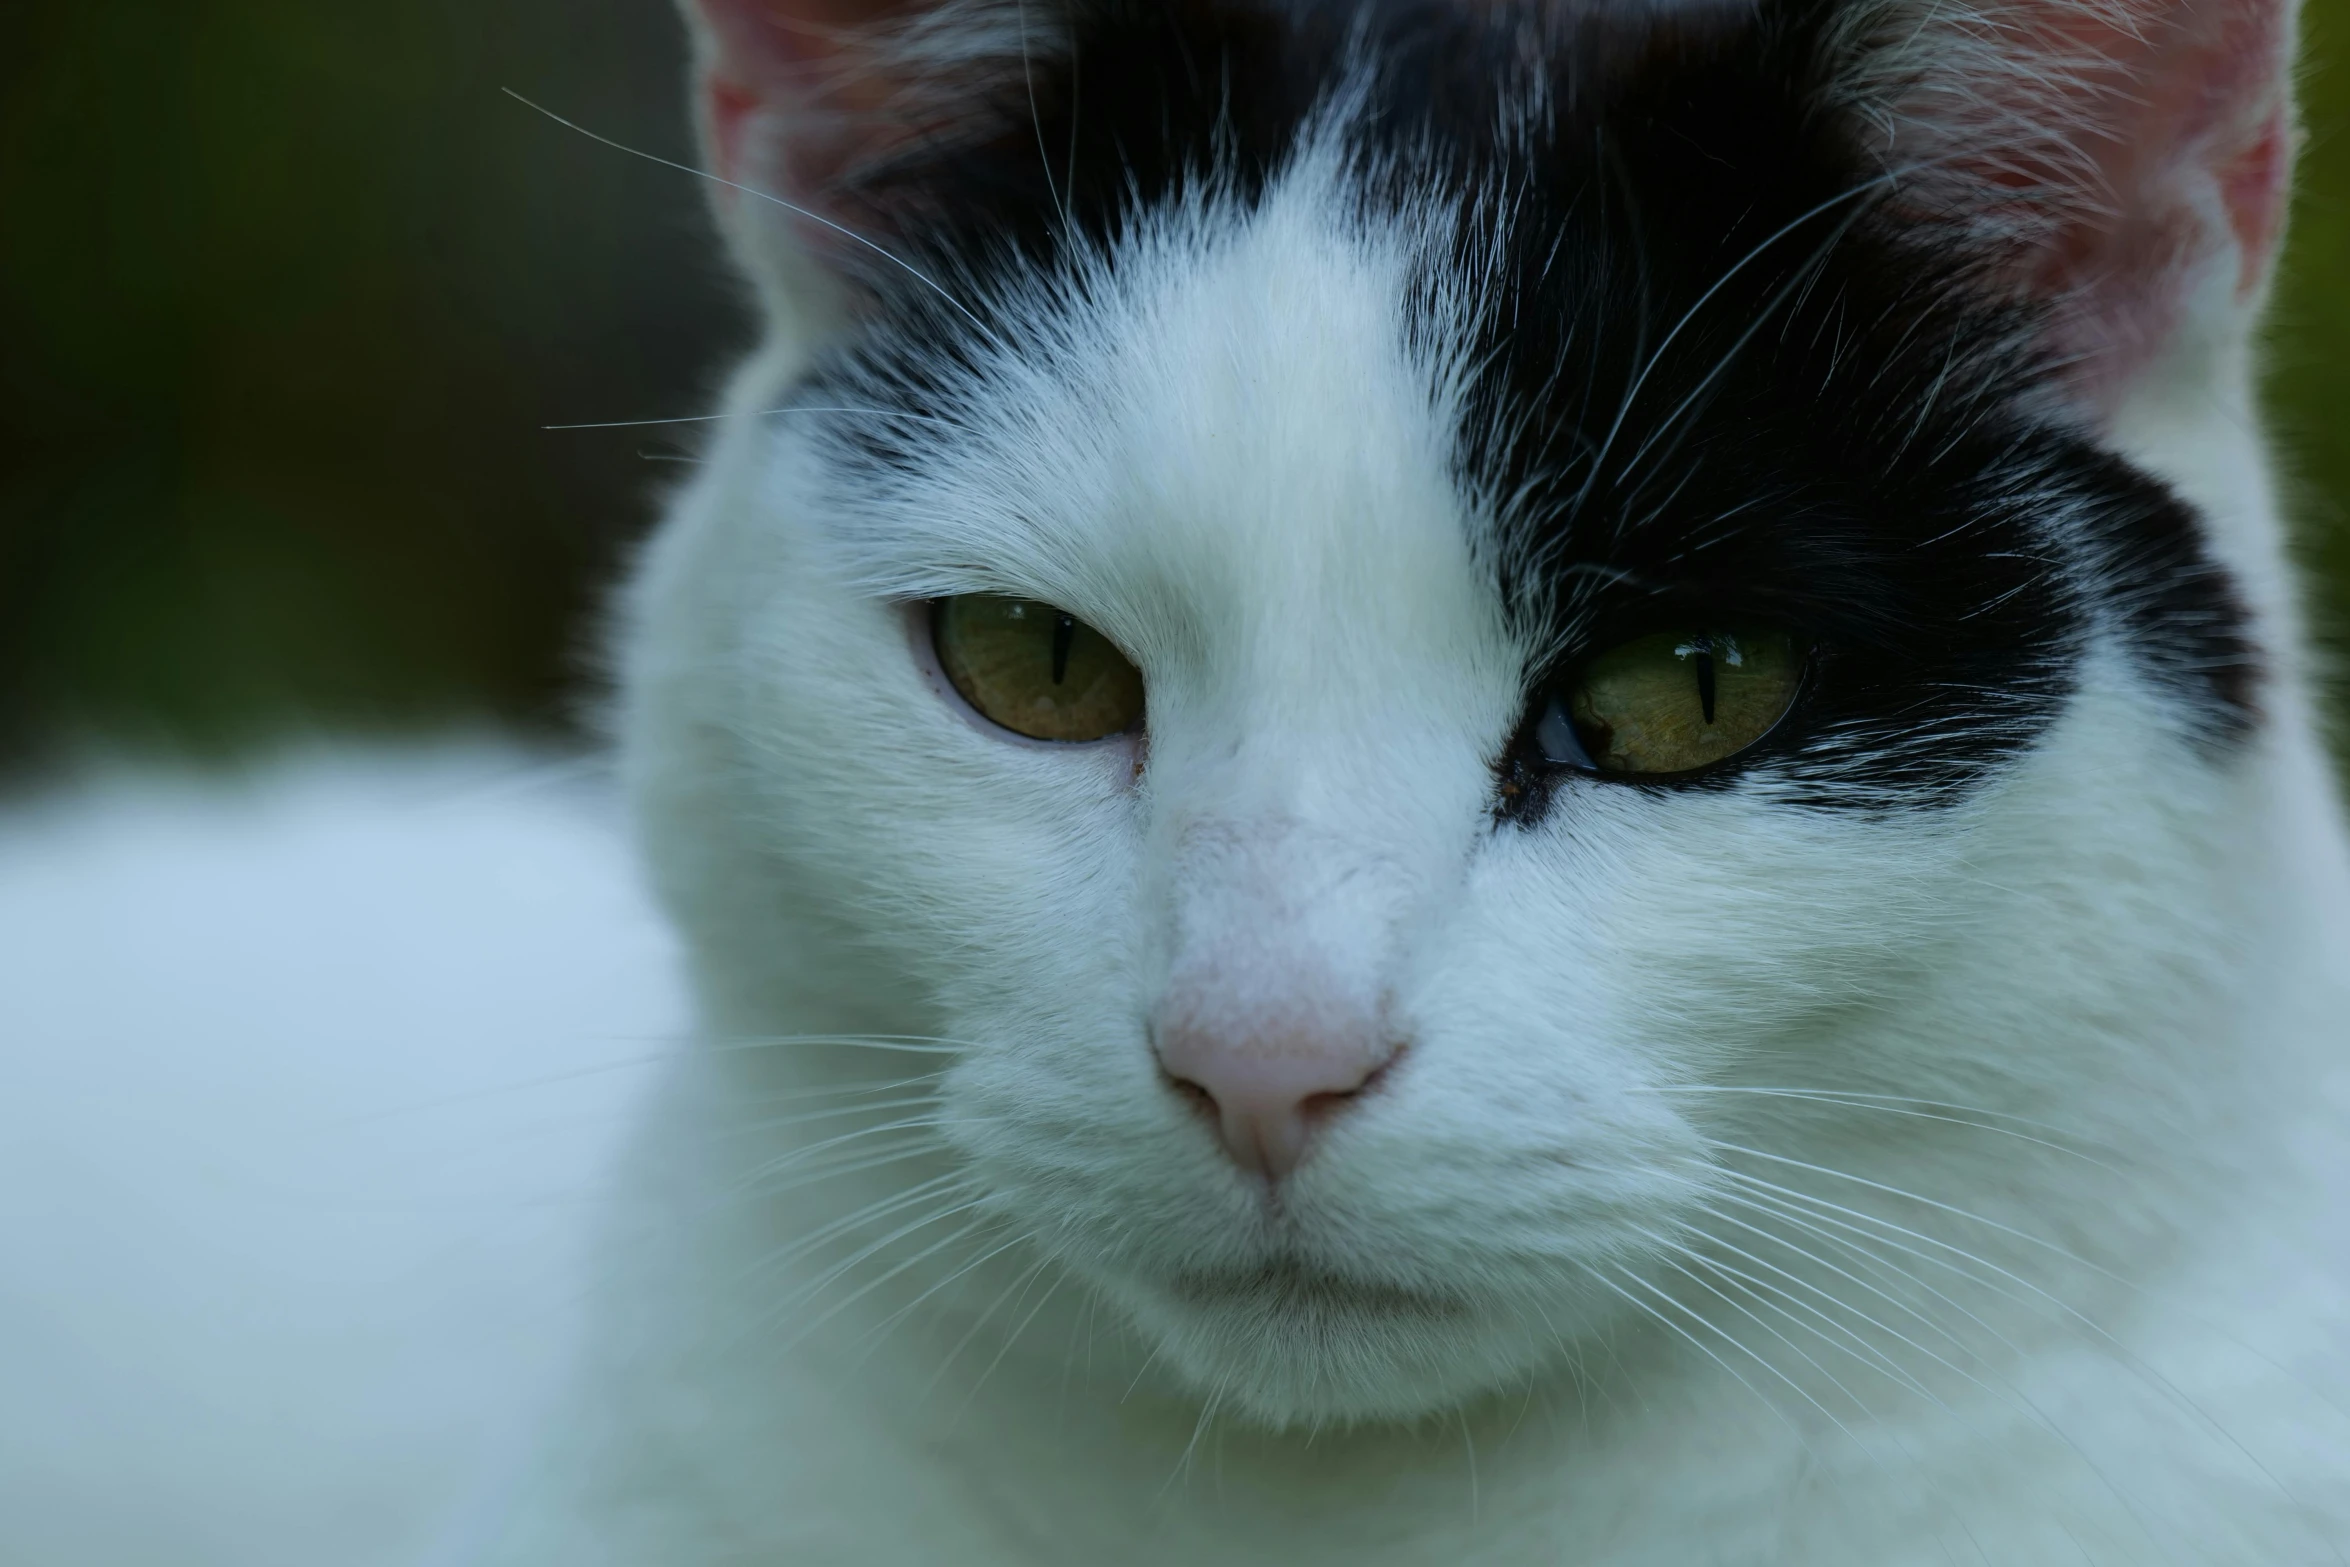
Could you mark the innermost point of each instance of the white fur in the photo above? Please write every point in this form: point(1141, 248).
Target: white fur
point(2118, 1340)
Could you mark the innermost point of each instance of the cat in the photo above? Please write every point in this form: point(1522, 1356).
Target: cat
point(1483, 783)
point(1466, 782)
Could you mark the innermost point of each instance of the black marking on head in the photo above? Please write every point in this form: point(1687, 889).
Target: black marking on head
point(1713, 378)
point(1722, 382)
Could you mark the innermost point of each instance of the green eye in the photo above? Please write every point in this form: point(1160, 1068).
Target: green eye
point(1034, 669)
point(1673, 701)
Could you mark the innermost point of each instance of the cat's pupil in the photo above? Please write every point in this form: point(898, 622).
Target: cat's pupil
point(1627, 711)
point(1035, 669)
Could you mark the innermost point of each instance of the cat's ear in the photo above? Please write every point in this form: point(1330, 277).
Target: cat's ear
point(2125, 161)
point(802, 101)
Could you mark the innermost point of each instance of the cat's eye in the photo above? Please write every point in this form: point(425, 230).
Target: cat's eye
point(1672, 701)
point(1036, 670)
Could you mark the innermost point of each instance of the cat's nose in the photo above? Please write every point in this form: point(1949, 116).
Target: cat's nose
point(1270, 1091)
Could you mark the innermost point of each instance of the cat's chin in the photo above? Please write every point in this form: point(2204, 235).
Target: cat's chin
point(1287, 1346)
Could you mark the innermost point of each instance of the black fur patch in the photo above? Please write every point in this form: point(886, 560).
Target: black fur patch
point(1713, 375)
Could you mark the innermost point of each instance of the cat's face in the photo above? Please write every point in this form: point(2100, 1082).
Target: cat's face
point(1592, 660)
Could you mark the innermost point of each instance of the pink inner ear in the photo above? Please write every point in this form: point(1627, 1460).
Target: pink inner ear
point(2127, 143)
point(2214, 109)
point(2253, 184)
point(790, 91)
point(727, 106)
point(775, 40)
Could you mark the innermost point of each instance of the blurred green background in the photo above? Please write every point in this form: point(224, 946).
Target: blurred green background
point(289, 290)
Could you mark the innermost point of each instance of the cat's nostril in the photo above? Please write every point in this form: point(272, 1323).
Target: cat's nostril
point(1198, 1097)
point(1267, 1100)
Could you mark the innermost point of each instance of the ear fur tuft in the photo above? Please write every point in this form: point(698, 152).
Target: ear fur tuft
point(800, 100)
point(2127, 160)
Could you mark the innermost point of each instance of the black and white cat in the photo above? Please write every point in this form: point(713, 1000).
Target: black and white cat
point(1481, 783)
point(1485, 783)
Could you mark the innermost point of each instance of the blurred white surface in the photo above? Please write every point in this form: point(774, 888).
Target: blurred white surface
point(307, 1085)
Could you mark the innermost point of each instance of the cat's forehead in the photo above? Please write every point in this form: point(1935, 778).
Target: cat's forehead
point(1235, 458)
point(1561, 325)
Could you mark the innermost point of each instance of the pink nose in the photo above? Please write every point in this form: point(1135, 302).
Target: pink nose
point(1270, 1093)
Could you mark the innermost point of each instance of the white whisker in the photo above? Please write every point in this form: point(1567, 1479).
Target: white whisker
point(1857, 1402)
point(867, 1288)
point(824, 1280)
point(1858, 1347)
point(1955, 1212)
point(856, 1090)
point(1650, 361)
point(862, 1159)
point(881, 1329)
point(1651, 1312)
point(830, 1113)
point(764, 413)
point(1888, 1104)
point(2153, 1377)
point(801, 1245)
point(807, 1151)
point(1013, 1337)
point(791, 207)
